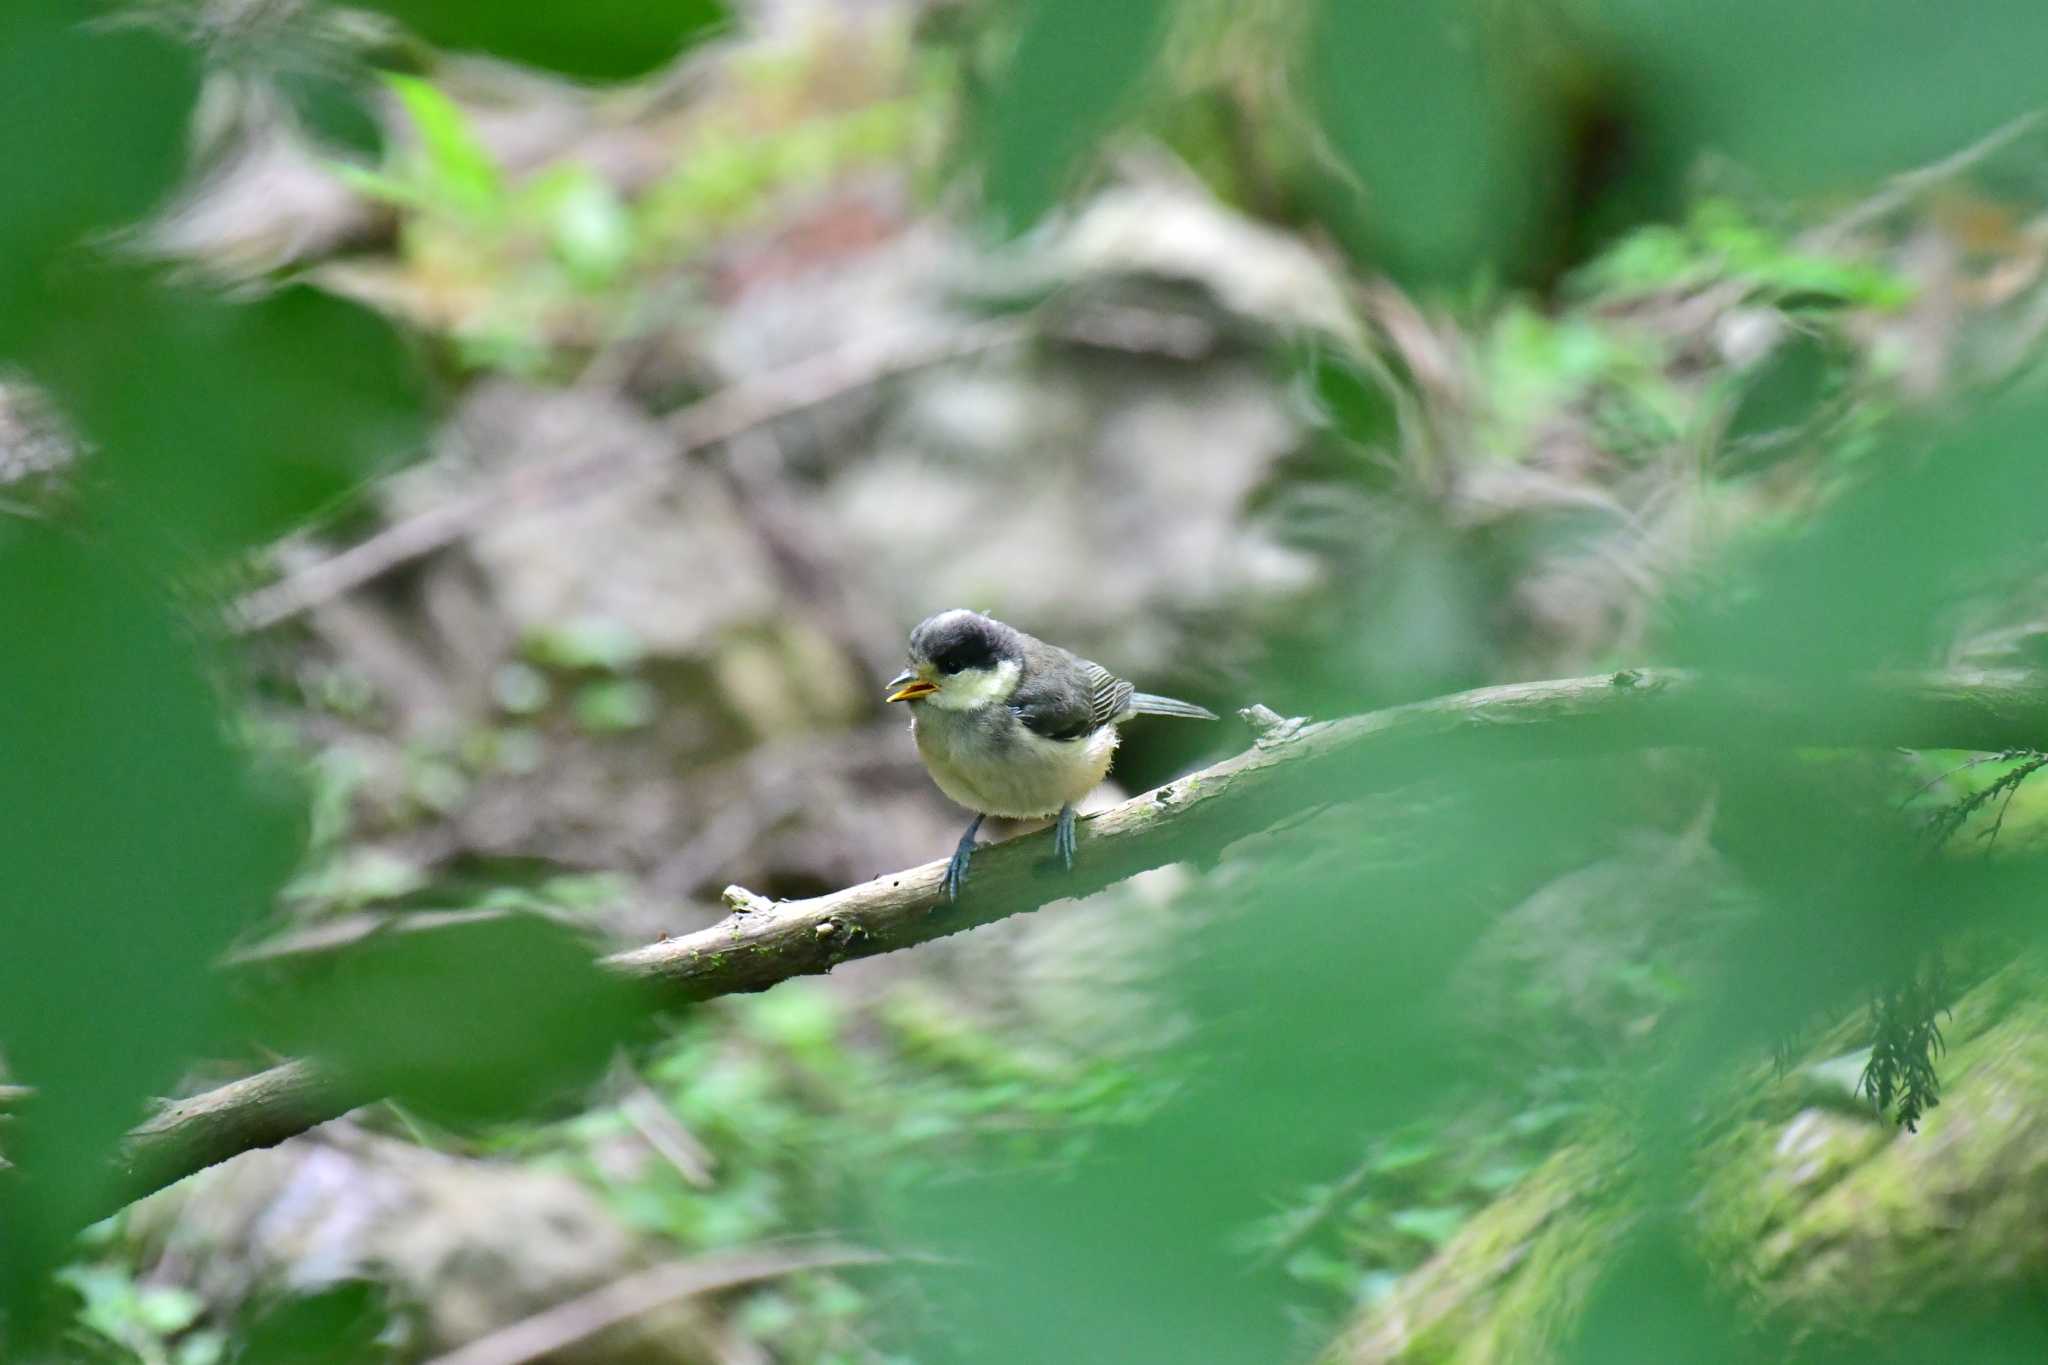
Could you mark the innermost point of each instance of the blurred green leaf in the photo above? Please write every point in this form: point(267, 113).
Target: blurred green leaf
point(1455, 155)
point(593, 233)
point(136, 847)
point(1722, 241)
point(1870, 583)
point(1788, 388)
point(520, 689)
point(596, 40)
point(206, 1347)
point(1809, 97)
point(1352, 398)
point(336, 111)
point(1076, 65)
point(108, 109)
point(587, 642)
point(338, 1325)
point(614, 705)
point(468, 1021)
point(168, 1309)
point(456, 168)
point(1435, 1226)
point(1658, 1301)
point(127, 1314)
point(255, 416)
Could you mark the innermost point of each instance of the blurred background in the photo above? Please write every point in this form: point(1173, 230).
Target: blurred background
point(468, 468)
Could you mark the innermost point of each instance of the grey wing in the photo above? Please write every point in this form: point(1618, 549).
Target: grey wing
point(1051, 704)
point(1071, 699)
point(1109, 697)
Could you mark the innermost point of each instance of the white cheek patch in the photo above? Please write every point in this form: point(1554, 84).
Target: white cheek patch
point(973, 688)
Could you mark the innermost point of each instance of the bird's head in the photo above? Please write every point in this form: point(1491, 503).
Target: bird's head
point(960, 660)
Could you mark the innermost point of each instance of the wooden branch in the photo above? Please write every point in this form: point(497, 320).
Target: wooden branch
point(1291, 768)
point(257, 1111)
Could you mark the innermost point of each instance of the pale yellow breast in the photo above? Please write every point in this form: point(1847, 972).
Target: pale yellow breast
point(1025, 778)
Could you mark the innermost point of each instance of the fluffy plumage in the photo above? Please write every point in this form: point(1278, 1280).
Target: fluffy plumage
point(1013, 726)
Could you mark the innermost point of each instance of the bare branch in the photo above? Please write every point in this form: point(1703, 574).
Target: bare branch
point(1906, 186)
point(257, 1111)
point(1289, 770)
point(623, 1300)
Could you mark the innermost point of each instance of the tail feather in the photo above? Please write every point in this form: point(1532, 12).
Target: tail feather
point(1145, 704)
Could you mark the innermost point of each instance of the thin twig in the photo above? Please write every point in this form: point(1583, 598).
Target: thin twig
point(623, 1300)
point(1902, 188)
point(1931, 783)
point(1950, 818)
point(705, 423)
point(2012, 782)
point(668, 1135)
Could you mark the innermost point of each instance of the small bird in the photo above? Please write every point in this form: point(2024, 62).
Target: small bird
point(1011, 726)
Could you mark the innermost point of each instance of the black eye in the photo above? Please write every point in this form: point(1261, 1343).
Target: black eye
point(957, 655)
point(956, 641)
point(969, 649)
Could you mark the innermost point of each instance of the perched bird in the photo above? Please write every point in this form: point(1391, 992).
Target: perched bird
point(1011, 726)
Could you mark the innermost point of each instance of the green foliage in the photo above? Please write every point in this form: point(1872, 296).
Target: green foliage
point(1352, 1240)
point(455, 173)
point(529, 271)
point(1538, 366)
point(296, 399)
point(1906, 1044)
point(588, 643)
point(333, 109)
point(1806, 98)
point(1720, 243)
point(1075, 67)
point(340, 1324)
point(122, 1321)
point(115, 103)
point(1317, 972)
point(151, 1322)
point(469, 228)
point(1866, 586)
point(1988, 780)
point(736, 171)
point(813, 1113)
point(469, 1022)
point(138, 844)
point(117, 730)
point(1459, 191)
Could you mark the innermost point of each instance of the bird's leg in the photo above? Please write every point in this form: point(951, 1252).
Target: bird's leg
point(956, 870)
point(1063, 836)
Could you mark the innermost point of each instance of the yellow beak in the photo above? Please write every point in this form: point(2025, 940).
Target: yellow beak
point(907, 686)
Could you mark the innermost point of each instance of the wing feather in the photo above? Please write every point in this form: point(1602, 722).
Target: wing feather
point(1070, 700)
point(1108, 695)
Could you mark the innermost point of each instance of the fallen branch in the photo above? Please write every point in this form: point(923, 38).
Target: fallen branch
point(1290, 769)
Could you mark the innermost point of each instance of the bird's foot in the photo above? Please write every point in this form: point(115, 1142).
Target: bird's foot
point(1063, 837)
point(956, 867)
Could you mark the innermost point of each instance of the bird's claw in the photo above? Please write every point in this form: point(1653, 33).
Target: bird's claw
point(1063, 837)
point(956, 866)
